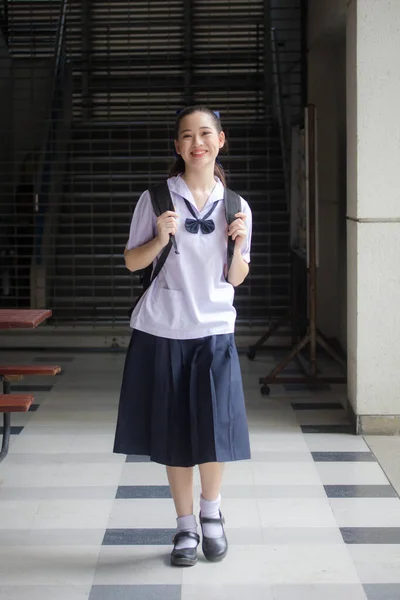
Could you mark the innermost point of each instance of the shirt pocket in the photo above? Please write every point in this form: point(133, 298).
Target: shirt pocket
point(168, 310)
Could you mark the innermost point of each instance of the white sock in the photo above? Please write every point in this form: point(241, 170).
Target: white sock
point(187, 523)
point(210, 509)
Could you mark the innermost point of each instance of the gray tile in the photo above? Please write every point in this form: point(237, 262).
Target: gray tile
point(138, 537)
point(135, 592)
point(33, 407)
point(300, 387)
point(371, 535)
point(317, 406)
point(31, 388)
point(343, 457)
point(328, 428)
point(53, 360)
point(382, 591)
point(15, 430)
point(143, 491)
point(137, 458)
point(360, 491)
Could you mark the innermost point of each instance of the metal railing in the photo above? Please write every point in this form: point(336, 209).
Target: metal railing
point(281, 113)
point(55, 105)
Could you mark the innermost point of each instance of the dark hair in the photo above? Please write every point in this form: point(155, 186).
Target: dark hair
point(179, 164)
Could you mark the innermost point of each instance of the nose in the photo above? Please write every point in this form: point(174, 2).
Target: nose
point(197, 140)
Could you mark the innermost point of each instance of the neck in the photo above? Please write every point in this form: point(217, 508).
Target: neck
point(200, 180)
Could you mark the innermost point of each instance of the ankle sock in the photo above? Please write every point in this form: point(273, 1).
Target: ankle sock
point(210, 509)
point(187, 523)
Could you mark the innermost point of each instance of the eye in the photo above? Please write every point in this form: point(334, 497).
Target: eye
point(186, 135)
point(206, 132)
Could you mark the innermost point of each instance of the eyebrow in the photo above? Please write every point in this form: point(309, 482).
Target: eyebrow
point(204, 127)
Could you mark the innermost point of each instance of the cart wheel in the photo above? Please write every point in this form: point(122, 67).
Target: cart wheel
point(265, 390)
point(251, 354)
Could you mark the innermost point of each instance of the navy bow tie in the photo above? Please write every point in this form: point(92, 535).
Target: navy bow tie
point(206, 225)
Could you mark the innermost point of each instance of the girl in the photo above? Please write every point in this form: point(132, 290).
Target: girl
point(181, 398)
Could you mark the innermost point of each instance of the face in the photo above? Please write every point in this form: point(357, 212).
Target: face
point(199, 142)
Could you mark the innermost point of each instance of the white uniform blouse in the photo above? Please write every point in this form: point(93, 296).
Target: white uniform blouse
point(190, 298)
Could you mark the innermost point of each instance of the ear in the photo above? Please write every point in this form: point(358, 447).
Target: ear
point(176, 146)
point(221, 136)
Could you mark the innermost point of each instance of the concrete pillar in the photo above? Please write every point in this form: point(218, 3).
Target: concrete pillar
point(373, 213)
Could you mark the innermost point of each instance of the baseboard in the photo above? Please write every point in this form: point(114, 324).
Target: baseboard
point(374, 424)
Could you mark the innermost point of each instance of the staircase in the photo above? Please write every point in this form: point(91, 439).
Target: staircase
point(134, 65)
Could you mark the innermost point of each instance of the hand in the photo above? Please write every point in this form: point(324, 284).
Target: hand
point(166, 226)
point(238, 230)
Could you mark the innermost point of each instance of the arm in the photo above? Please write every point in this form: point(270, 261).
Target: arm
point(240, 231)
point(141, 256)
point(239, 268)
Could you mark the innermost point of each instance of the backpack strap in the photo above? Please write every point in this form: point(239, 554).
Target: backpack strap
point(161, 201)
point(233, 205)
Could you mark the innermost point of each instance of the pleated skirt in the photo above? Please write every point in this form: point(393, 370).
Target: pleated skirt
point(182, 401)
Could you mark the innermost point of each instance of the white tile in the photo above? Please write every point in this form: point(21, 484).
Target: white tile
point(351, 474)
point(17, 514)
point(277, 565)
point(74, 514)
point(28, 475)
point(143, 474)
point(277, 441)
point(335, 442)
point(211, 591)
point(366, 512)
point(296, 512)
point(136, 565)
point(47, 565)
point(88, 475)
point(376, 563)
point(45, 592)
point(288, 474)
point(143, 513)
point(290, 536)
point(46, 443)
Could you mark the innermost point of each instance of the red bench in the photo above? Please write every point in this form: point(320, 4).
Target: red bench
point(17, 402)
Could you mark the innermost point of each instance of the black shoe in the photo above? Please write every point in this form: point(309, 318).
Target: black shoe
point(214, 549)
point(185, 557)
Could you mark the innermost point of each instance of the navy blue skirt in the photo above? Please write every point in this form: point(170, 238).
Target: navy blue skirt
point(182, 401)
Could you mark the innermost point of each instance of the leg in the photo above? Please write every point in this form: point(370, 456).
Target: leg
point(181, 485)
point(187, 539)
point(211, 479)
point(215, 545)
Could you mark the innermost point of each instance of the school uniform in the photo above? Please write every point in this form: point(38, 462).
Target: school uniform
point(182, 399)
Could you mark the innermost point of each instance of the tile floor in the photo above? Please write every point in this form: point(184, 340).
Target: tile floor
point(311, 517)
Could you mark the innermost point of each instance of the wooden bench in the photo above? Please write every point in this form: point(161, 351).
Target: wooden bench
point(10, 403)
point(17, 402)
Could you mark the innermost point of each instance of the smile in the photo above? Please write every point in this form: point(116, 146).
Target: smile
point(199, 153)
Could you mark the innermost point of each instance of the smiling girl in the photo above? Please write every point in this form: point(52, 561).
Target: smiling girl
point(182, 400)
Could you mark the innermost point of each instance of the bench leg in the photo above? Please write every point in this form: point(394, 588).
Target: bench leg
point(7, 424)
point(6, 435)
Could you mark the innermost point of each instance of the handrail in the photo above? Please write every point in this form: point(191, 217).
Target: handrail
point(4, 20)
point(59, 45)
point(283, 131)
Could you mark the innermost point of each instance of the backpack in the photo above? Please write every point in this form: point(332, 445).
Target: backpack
point(161, 201)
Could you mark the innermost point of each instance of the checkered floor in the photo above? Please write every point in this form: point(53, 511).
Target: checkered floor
point(311, 517)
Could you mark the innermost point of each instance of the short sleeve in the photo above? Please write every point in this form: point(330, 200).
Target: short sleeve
point(143, 224)
point(249, 224)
